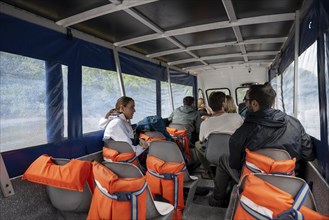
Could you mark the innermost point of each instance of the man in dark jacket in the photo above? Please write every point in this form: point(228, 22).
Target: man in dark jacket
point(264, 127)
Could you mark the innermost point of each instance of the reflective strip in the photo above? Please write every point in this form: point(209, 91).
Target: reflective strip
point(170, 176)
point(284, 173)
point(301, 196)
point(252, 212)
point(130, 196)
point(253, 168)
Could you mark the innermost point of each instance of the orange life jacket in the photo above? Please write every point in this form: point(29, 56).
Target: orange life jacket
point(117, 198)
point(71, 176)
point(181, 136)
point(167, 179)
point(149, 139)
point(259, 163)
point(110, 154)
point(272, 199)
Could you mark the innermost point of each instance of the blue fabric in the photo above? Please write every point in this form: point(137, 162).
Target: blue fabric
point(153, 123)
point(138, 67)
point(182, 78)
point(54, 102)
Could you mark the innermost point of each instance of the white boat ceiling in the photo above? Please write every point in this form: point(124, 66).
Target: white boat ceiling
point(192, 35)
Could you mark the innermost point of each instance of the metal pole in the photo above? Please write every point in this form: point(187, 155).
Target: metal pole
point(296, 64)
point(170, 90)
point(119, 73)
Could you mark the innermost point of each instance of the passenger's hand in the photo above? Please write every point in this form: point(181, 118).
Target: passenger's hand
point(143, 143)
point(204, 117)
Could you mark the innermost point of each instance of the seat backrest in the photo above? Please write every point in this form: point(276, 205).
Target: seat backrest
point(120, 146)
point(125, 170)
point(217, 145)
point(155, 134)
point(274, 153)
point(166, 151)
point(177, 126)
point(69, 200)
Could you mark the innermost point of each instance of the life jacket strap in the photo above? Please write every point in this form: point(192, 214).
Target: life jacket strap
point(170, 176)
point(125, 196)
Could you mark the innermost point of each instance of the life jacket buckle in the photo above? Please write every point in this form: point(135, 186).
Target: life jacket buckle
point(123, 196)
point(168, 176)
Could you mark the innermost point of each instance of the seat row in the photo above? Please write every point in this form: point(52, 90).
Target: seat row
point(62, 173)
point(268, 188)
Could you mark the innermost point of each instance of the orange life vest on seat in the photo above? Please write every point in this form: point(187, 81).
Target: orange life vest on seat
point(71, 176)
point(259, 163)
point(181, 136)
point(117, 198)
point(110, 154)
point(167, 179)
point(271, 200)
point(149, 139)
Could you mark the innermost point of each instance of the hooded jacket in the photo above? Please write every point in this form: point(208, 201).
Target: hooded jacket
point(270, 128)
point(118, 128)
point(188, 116)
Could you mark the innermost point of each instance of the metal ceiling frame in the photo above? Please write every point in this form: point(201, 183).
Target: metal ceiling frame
point(99, 11)
point(232, 22)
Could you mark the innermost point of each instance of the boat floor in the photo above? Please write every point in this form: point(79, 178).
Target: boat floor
point(200, 209)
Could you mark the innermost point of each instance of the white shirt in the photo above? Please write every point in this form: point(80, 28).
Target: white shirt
point(119, 129)
point(226, 123)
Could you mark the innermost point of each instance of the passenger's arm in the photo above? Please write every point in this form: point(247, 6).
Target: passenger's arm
point(198, 123)
point(308, 150)
point(171, 117)
point(201, 133)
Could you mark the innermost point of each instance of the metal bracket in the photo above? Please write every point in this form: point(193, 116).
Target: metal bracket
point(6, 187)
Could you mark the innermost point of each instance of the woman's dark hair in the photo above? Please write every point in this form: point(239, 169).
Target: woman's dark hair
point(216, 100)
point(263, 94)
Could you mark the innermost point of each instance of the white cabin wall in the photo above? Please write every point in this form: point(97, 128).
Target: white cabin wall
point(231, 78)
